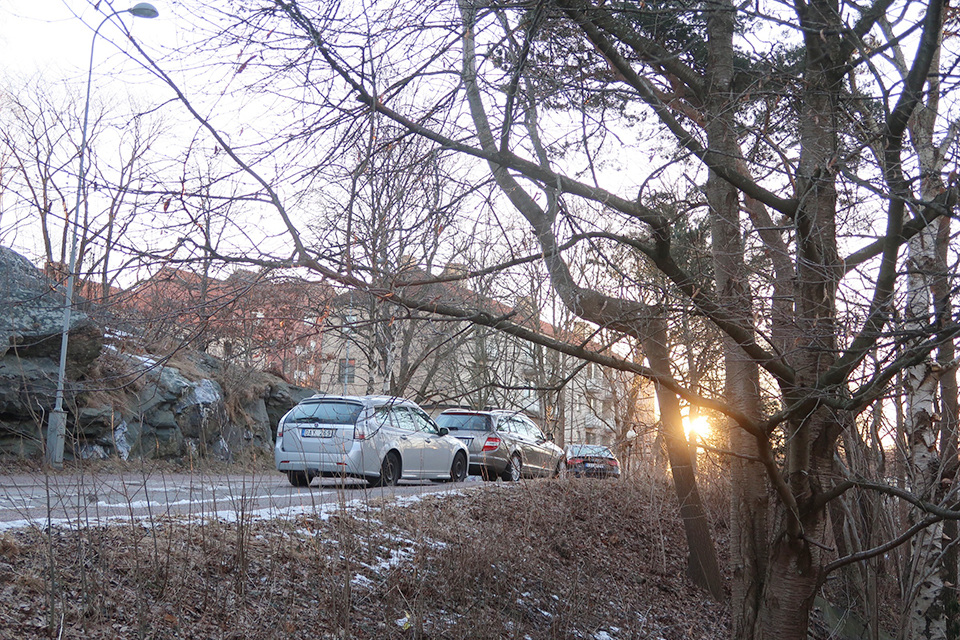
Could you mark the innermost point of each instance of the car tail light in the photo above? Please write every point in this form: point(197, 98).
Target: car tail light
point(280, 430)
point(575, 461)
point(613, 463)
point(492, 444)
point(359, 432)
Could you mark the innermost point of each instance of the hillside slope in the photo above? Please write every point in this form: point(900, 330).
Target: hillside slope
point(543, 559)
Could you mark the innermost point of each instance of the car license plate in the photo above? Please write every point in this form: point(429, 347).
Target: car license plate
point(316, 433)
point(594, 465)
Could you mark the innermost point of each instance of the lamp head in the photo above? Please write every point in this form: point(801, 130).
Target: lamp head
point(144, 10)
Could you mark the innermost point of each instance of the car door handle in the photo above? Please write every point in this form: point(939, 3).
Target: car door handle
point(403, 437)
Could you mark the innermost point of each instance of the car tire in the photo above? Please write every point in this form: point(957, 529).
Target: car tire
point(389, 471)
point(514, 470)
point(299, 478)
point(458, 470)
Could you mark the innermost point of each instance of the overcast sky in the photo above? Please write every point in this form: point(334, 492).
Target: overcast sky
point(53, 37)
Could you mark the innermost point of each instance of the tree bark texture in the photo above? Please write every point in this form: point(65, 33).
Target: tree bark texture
point(749, 502)
point(949, 417)
point(928, 596)
point(702, 566)
point(795, 561)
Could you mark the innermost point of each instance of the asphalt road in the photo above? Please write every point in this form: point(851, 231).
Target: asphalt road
point(67, 499)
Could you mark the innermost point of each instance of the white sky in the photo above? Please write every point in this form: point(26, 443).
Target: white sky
point(53, 37)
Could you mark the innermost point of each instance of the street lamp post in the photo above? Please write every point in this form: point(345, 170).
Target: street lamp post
point(57, 424)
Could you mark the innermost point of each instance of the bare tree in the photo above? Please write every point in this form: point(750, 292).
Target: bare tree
point(43, 154)
point(763, 125)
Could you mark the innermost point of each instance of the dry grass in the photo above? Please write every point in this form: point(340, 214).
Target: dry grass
point(545, 559)
point(240, 387)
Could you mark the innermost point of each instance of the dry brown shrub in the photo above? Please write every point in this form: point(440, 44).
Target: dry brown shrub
point(539, 559)
point(241, 386)
point(9, 549)
point(110, 380)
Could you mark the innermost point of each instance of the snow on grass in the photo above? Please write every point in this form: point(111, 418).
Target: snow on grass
point(361, 580)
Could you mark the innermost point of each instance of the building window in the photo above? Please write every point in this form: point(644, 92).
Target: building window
point(348, 371)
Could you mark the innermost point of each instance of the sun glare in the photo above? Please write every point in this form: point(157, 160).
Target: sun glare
point(698, 425)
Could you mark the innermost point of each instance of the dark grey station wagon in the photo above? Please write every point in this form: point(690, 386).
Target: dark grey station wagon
point(503, 444)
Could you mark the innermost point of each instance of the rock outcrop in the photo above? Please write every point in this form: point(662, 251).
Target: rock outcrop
point(121, 403)
point(31, 317)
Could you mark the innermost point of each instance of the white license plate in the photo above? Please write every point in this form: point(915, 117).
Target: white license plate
point(316, 433)
point(595, 465)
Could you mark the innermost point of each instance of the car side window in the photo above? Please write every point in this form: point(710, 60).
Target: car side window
point(517, 427)
point(403, 419)
point(423, 422)
point(506, 425)
point(534, 430)
point(381, 418)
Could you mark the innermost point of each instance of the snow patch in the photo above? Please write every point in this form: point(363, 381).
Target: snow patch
point(120, 440)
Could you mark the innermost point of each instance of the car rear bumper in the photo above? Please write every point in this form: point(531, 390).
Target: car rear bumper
point(489, 463)
point(359, 461)
point(606, 471)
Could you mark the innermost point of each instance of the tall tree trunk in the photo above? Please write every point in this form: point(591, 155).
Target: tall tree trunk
point(949, 416)
point(748, 503)
point(925, 616)
point(795, 555)
point(702, 566)
point(927, 598)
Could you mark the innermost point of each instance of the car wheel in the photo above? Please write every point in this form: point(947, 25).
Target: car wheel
point(299, 478)
point(514, 470)
point(458, 471)
point(389, 471)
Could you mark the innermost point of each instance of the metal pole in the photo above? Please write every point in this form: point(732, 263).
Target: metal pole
point(346, 367)
point(57, 424)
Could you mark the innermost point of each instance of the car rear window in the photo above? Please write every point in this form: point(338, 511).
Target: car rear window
point(333, 412)
point(590, 450)
point(464, 422)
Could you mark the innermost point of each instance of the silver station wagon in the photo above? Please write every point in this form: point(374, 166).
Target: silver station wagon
point(503, 444)
point(380, 439)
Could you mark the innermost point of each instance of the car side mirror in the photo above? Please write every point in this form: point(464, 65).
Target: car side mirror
point(443, 431)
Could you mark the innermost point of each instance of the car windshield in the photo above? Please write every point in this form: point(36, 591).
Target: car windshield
point(464, 421)
point(330, 412)
point(590, 450)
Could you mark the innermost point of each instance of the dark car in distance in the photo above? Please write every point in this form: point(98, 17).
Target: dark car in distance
point(591, 461)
